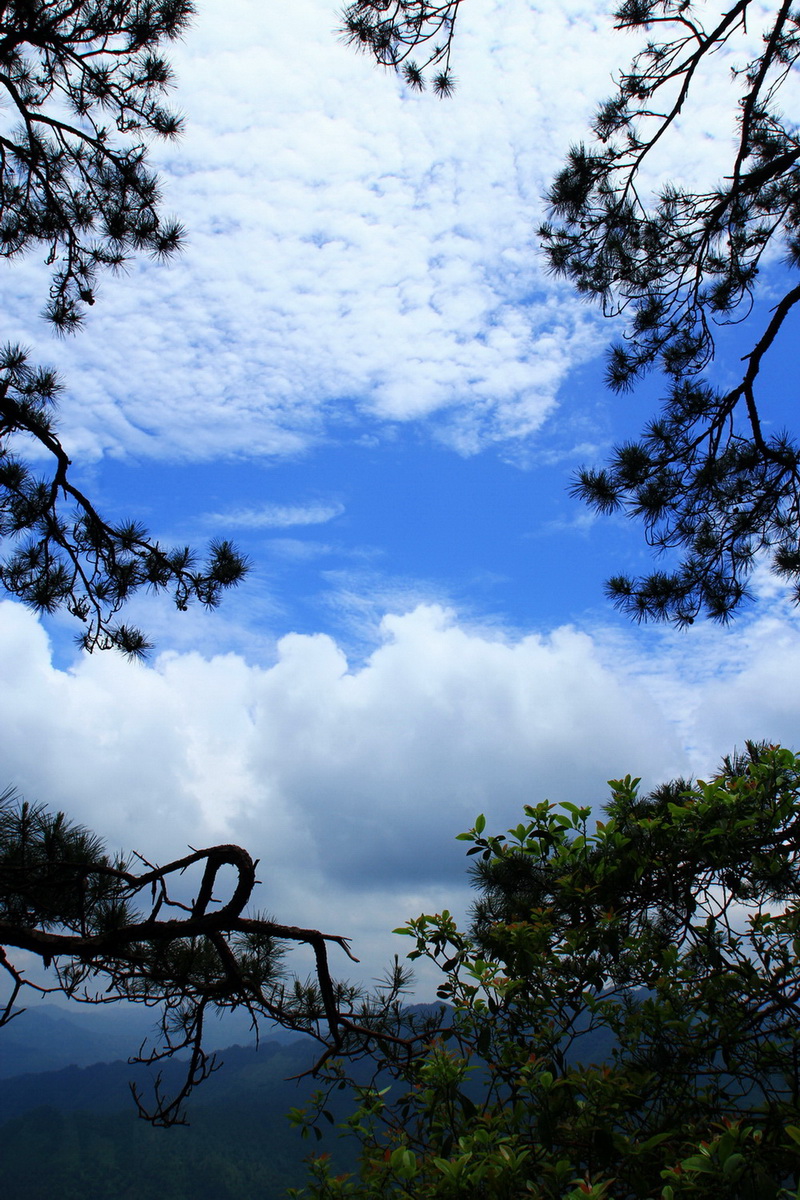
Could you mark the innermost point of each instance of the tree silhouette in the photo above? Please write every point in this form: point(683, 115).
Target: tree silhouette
point(85, 83)
point(393, 30)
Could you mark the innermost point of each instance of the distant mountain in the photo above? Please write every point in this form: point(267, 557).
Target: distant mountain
point(46, 1037)
point(247, 1076)
point(74, 1133)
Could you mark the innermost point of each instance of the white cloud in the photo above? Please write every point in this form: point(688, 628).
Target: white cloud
point(349, 783)
point(278, 516)
point(358, 256)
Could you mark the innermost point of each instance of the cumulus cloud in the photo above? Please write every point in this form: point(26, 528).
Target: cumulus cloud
point(349, 782)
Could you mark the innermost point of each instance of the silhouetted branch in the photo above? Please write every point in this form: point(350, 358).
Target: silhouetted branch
point(65, 901)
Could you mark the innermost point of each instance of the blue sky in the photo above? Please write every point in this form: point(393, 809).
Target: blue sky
point(361, 371)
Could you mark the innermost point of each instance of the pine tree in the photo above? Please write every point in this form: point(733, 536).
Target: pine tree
point(118, 928)
point(715, 485)
point(85, 84)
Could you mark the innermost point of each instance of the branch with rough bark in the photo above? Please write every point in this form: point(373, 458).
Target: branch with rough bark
point(63, 900)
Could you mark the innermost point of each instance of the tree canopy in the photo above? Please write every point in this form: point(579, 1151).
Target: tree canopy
point(622, 1018)
point(85, 84)
point(713, 479)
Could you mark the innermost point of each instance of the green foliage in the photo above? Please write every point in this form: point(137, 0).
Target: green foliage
point(624, 1011)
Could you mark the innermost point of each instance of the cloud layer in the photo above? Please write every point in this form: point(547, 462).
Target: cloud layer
point(358, 255)
point(350, 783)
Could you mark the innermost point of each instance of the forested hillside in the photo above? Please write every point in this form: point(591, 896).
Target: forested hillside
point(74, 1133)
